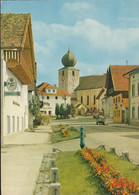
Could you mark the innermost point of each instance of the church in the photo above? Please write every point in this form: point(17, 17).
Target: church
point(84, 90)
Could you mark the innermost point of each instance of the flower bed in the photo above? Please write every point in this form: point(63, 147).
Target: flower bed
point(65, 132)
point(109, 177)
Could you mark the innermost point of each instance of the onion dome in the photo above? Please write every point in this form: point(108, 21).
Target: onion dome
point(69, 59)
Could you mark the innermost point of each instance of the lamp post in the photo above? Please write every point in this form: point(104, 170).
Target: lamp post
point(82, 144)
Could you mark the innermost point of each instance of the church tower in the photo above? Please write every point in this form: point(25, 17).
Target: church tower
point(68, 77)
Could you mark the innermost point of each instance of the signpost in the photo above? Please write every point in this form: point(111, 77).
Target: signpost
point(82, 144)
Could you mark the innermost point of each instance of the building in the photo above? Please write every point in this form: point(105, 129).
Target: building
point(101, 99)
point(18, 70)
point(88, 90)
point(120, 109)
point(117, 84)
point(50, 96)
point(133, 77)
point(68, 77)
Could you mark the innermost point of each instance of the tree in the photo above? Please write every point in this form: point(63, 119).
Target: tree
point(72, 110)
point(68, 110)
point(34, 108)
point(62, 110)
point(57, 110)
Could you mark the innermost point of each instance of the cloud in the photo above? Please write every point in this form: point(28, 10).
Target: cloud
point(77, 6)
point(95, 46)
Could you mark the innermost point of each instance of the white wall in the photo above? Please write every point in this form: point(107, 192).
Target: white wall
point(134, 100)
point(52, 101)
point(12, 111)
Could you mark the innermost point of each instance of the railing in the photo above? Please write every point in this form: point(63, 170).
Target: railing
point(12, 55)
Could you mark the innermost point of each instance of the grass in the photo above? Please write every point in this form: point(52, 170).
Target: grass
point(76, 177)
point(59, 137)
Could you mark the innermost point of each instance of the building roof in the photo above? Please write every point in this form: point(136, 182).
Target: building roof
point(13, 29)
point(91, 82)
point(44, 86)
point(69, 60)
point(126, 102)
point(132, 71)
point(121, 83)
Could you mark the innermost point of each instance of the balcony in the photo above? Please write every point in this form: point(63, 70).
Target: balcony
point(18, 66)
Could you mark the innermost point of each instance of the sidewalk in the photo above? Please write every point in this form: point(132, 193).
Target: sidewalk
point(21, 158)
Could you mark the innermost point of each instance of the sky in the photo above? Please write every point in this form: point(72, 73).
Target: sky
point(98, 32)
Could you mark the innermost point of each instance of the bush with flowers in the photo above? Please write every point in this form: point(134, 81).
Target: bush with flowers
point(109, 177)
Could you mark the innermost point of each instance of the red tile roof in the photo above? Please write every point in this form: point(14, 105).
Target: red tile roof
point(126, 102)
point(43, 86)
point(119, 81)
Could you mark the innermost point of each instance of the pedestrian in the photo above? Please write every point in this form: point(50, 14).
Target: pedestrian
point(49, 119)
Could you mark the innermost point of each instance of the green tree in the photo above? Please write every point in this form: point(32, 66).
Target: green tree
point(62, 111)
point(68, 110)
point(72, 110)
point(57, 110)
point(34, 108)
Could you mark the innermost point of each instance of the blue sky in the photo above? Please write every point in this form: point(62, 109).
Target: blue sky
point(98, 32)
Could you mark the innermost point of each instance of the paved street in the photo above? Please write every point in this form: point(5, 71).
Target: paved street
point(121, 136)
point(22, 155)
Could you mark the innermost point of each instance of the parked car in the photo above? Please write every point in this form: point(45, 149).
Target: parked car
point(101, 120)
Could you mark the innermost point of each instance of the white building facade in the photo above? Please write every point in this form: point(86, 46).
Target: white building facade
point(15, 102)
point(50, 96)
point(134, 96)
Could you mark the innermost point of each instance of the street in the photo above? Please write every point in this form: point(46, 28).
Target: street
point(121, 136)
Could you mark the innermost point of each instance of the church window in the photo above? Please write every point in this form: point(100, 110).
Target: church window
point(63, 73)
point(94, 99)
point(73, 73)
point(87, 100)
point(81, 99)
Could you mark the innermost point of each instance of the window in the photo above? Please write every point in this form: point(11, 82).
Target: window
point(73, 73)
point(87, 100)
point(118, 99)
point(133, 112)
point(63, 73)
point(81, 99)
point(56, 97)
point(17, 123)
point(133, 90)
point(138, 112)
point(94, 99)
point(138, 88)
point(8, 124)
point(54, 91)
point(13, 123)
point(49, 90)
point(119, 113)
point(113, 100)
point(47, 97)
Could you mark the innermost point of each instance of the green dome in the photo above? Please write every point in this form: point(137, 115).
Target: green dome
point(69, 59)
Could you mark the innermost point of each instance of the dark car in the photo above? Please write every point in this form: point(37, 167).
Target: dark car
point(101, 120)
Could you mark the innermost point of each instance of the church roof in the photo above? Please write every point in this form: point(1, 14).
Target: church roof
point(91, 82)
point(69, 60)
